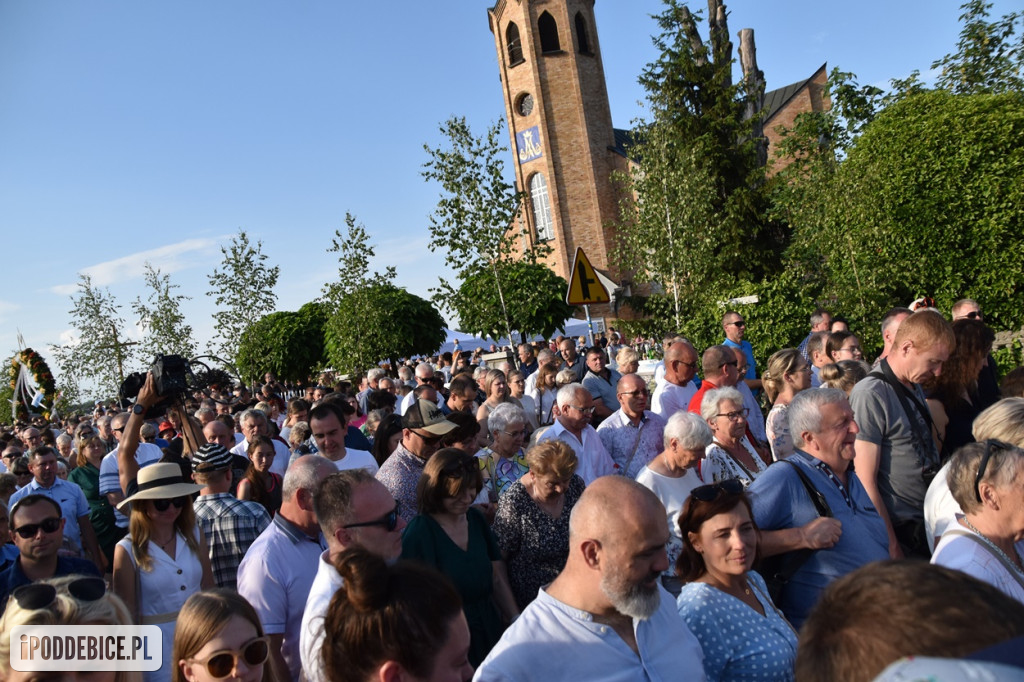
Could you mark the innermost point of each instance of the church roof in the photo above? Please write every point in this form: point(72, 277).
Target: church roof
point(623, 141)
point(774, 100)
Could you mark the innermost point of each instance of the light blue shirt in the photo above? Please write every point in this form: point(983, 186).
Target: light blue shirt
point(553, 641)
point(740, 645)
point(619, 436)
point(276, 576)
point(748, 351)
point(605, 390)
point(780, 501)
point(71, 499)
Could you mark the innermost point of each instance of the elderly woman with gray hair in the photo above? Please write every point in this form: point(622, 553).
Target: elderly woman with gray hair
point(503, 462)
point(672, 474)
point(730, 454)
point(987, 481)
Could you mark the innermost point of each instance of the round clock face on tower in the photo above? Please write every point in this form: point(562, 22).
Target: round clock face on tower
point(525, 105)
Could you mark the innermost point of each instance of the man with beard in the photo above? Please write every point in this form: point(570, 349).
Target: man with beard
point(607, 598)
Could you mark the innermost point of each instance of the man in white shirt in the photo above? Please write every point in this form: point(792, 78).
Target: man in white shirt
point(676, 389)
point(110, 480)
point(328, 426)
point(574, 408)
point(606, 613)
point(354, 510)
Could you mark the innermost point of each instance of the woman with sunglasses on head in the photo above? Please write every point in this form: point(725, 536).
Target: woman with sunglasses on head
point(70, 600)
point(400, 621)
point(219, 637)
point(544, 394)
point(260, 483)
point(164, 559)
point(452, 536)
point(731, 454)
point(987, 539)
point(725, 603)
point(86, 475)
point(788, 374)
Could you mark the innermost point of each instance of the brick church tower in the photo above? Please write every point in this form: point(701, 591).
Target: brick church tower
point(560, 125)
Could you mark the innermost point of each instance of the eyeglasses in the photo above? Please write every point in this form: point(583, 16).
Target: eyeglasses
point(515, 434)
point(734, 363)
point(974, 315)
point(584, 410)
point(430, 439)
point(29, 530)
point(738, 323)
point(220, 663)
point(991, 446)
point(735, 416)
point(164, 505)
point(712, 491)
point(37, 596)
point(639, 391)
point(691, 365)
point(389, 521)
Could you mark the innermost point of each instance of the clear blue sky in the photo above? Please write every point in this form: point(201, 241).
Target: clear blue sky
point(134, 131)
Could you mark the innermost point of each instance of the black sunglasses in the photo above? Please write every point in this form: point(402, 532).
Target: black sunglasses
point(29, 530)
point(389, 521)
point(37, 596)
point(164, 505)
point(220, 663)
point(974, 315)
point(712, 491)
point(991, 446)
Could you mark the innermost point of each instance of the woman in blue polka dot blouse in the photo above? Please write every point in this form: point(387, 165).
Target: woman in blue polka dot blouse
point(725, 604)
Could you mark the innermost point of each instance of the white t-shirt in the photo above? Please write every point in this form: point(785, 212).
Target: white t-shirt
point(357, 459)
point(940, 509)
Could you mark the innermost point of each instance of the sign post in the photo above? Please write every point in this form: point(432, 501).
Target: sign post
point(585, 288)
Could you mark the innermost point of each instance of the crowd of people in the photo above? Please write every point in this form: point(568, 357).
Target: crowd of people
point(549, 513)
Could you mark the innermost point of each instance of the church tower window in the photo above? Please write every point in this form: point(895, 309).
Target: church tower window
point(515, 45)
point(541, 207)
point(548, 30)
point(582, 37)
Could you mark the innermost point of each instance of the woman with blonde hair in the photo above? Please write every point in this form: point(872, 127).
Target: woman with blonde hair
point(219, 634)
point(787, 374)
point(627, 360)
point(844, 374)
point(70, 600)
point(532, 522)
point(86, 475)
point(164, 559)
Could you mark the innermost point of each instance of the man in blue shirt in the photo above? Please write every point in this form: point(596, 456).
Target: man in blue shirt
point(37, 528)
point(735, 329)
point(824, 433)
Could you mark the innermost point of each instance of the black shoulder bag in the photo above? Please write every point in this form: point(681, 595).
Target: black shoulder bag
point(778, 570)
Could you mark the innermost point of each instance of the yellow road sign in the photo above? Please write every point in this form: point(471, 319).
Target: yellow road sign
point(584, 285)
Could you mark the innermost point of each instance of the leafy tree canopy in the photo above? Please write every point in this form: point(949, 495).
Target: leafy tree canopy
point(533, 293)
point(289, 344)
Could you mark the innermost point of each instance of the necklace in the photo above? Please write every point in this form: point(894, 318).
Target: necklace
point(1016, 564)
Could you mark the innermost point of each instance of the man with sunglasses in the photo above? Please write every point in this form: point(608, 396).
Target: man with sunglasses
point(674, 390)
point(354, 510)
point(423, 424)
point(37, 528)
point(824, 432)
point(735, 330)
point(79, 536)
point(633, 435)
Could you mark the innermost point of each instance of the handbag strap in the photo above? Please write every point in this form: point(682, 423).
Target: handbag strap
point(636, 444)
point(819, 501)
point(903, 394)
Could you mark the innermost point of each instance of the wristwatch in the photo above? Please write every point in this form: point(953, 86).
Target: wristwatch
point(138, 409)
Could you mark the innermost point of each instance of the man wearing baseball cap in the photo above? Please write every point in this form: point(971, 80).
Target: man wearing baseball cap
point(229, 524)
point(423, 424)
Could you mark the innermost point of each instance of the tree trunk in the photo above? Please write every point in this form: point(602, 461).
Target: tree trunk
point(754, 80)
point(696, 44)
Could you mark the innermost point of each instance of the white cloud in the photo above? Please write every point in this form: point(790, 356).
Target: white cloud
point(168, 259)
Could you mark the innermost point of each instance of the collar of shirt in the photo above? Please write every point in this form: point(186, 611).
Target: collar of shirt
point(294, 533)
point(827, 470)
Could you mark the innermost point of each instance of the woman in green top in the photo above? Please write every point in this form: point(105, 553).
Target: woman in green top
point(452, 536)
point(87, 476)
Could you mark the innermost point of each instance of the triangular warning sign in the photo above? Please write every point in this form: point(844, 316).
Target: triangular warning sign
point(584, 285)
